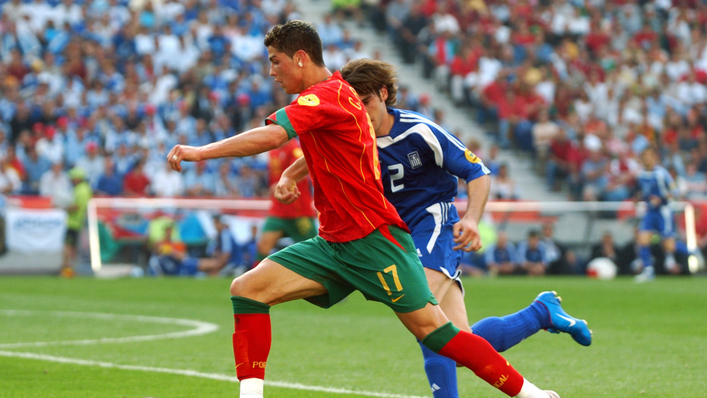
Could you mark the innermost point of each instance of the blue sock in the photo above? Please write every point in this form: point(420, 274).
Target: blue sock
point(504, 333)
point(441, 373)
point(644, 252)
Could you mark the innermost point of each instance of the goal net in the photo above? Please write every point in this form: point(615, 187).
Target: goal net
point(122, 230)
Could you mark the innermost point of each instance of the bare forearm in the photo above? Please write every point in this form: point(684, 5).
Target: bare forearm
point(297, 170)
point(251, 142)
point(478, 193)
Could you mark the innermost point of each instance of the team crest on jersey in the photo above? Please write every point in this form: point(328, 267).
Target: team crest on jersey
point(414, 159)
point(471, 157)
point(308, 100)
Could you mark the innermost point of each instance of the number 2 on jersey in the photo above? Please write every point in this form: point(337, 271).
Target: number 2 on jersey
point(396, 172)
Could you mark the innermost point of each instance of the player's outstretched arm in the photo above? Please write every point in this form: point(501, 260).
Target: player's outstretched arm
point(466, 231)
point(251, 142)
point(286, 190)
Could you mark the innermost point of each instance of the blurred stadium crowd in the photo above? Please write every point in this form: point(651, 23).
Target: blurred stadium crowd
point(583, 85)
point(111, 85)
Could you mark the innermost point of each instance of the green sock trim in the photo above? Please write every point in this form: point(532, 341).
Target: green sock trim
point(439, 338)
point(242, 305)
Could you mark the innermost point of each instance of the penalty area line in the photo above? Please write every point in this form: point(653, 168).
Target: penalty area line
point(194, 373)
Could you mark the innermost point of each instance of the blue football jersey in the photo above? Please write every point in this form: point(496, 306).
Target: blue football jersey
point(656, 182)
point(420, 164)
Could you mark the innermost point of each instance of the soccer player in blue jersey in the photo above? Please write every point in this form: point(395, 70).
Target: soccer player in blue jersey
point(656, 188)
point(420, 164)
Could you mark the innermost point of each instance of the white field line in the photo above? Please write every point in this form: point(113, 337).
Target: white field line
point(194, 373)
point(200, 328)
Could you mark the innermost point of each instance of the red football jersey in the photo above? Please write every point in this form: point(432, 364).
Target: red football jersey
point(339, 145)
point(280, 159)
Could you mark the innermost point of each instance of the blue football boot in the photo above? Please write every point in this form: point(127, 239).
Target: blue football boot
point(562, 322)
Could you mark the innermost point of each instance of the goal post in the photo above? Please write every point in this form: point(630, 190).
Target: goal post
point(577, 223)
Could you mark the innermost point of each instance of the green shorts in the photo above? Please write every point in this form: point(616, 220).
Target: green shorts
point(72, 237)
point(298, 229)
point(384, 269)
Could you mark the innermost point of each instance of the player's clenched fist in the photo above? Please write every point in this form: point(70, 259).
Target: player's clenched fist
point(182, 152)
point(466, 235)
point(286, 190)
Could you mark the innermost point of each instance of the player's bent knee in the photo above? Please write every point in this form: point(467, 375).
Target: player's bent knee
point(240, 287)
point(236, 287)
point(423, 332)
point(424, 321)
point(420, 331)
point(439, 337)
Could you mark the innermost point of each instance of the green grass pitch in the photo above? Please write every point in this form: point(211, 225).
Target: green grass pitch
point(650, 340)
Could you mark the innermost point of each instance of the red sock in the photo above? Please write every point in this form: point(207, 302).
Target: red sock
point(478, 355)
point(251, 345)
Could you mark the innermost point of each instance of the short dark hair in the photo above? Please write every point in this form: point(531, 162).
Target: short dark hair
point(296, 35)
point(368, 76)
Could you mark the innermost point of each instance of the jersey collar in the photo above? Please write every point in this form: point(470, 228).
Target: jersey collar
point(394, 129)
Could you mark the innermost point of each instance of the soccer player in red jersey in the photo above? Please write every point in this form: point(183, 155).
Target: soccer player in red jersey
point(295, 221)
point(362, 244)
point(420, 164)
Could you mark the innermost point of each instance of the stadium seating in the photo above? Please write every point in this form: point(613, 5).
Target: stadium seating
point(108, 84)
point(610, 76)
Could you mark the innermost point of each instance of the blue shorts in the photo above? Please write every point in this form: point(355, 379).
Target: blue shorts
point(168, 265)
point(434, 240)
point(659, 220)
